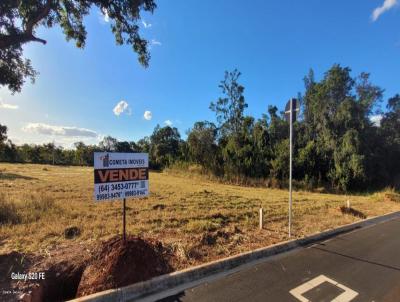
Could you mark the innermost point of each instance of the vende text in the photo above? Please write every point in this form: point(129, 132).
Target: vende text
point(117, 175)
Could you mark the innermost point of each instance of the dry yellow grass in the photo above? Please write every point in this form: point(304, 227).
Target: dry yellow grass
point(198, 220)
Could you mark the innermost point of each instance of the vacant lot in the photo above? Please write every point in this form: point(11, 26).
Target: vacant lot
point(195, 219)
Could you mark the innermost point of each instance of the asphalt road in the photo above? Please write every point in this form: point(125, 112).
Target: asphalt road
point(363, 265)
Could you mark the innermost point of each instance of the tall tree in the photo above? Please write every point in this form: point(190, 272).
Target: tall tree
point(337, 130)
point(144, 144)
point(165, 146)
point(7, 148)
point(109, 144)
point(230, 108)
point(3, 133)
point(123, 147)
point(390, 131)
point(20, 19)
point(202, 143)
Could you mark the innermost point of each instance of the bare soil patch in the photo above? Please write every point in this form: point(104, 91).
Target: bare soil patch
point(74, 270)
point(119, 264)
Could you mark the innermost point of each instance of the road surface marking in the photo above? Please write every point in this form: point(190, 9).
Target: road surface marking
point(346, 296)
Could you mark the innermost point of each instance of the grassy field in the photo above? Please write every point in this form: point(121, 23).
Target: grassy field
point(196, 219)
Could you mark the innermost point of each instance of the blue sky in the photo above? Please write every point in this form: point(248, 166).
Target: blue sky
point(273, 44)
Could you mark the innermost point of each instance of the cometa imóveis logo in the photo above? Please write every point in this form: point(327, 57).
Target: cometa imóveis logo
point(106, 160)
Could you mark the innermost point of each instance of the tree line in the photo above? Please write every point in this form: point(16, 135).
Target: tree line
point(336, 144)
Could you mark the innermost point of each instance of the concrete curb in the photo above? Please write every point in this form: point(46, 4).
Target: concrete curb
point(166, 282)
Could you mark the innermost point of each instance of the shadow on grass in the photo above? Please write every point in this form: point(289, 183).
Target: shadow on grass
point(351, 211)
point(12, 176)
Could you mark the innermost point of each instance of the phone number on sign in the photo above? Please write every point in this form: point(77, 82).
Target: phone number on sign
point(118, 195)
point(122, 186)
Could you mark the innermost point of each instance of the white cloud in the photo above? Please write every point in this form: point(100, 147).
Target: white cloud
point(387, 5)
point(45, 129)
point(376, 119)
point(121, 107)
point(147, 115)
point(168, 123)
point(155, 42)
point(146, 25)
point(8, 106)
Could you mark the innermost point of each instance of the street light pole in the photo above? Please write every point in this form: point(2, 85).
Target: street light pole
point(291, 113)
point(290, 166)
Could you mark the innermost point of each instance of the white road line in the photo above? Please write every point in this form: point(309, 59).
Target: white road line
point(346, 296)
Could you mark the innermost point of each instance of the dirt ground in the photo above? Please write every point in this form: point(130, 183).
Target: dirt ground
point(49, 222)
point(119, 264)
point(74, 270)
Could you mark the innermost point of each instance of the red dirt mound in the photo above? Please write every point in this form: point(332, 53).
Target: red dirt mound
point(117, 264)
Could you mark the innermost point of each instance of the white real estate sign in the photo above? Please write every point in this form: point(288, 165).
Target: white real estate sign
point(120, 175)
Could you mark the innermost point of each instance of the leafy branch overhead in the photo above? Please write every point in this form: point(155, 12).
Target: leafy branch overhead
point(20, 19)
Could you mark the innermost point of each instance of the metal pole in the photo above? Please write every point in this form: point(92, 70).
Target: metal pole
point(290, 167)
point(124, 220)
